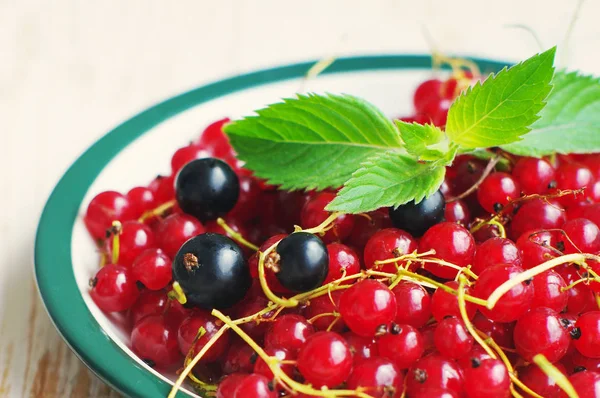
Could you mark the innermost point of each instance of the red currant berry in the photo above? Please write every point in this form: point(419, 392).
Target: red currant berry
point(468, 170)
point(235, 225)
point(361, 347)
point(452, 339)
point(387, 244)
point(592, 162)
point(142, 200)
point(434, 372)
point(105, 208)
point(227, 386)
point(549, 291)
point(403, 344)
point(149, 302)
point(581, 297)
point(289, 205)
point(573, 176)
point(511, 305)
point(581, 361)
point(343, 261)
point(155, 341)
point(175, 230)
point(540, 331)
point(163, 188)
point(535, 176)
point(325, 360)
point(427, 332)
point(487, 379)
point(186, 154)
point(314, 213)
point(428, 91)
point(153, 269)
point(496, 191)
point(413, 304)
point(586, 335)
point(197, 330)
point(378, 377)
point(534, 378)
point(536, 247)
point(444, 304)
point(434, 393)
point(282, 355)
point(438, 111)
point(452, 243)
point(586, 384)
point(368, 306)
point(537, 214)
point(289, 331)
point(114, 288)
point(582, 235)
point(322, 305)
point(496, 251)
point(365, 228)
point(457, 212)
point(254, 386)
point(214, 140)
point(240, 357)
point(502, 333)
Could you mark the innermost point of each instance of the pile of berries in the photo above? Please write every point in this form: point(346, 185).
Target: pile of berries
point(386, 304)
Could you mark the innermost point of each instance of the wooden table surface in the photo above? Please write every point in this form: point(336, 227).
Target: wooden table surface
point(72, 69)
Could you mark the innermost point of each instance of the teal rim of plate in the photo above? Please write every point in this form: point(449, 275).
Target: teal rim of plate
point(53, 263)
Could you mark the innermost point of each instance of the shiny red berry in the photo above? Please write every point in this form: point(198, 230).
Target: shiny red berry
point(457, 212)
point(487, 379)
point(154, 340)
point(573, 176)
point(105, 208)
point(387, 244)
point(434, 372)
point(343, 261)
point(586, 335)
point(149, 302)
point(537, 214)
point(534, 378)
point(444, 304)
point(585, 383)
point(197, 330)
point(240, 357)
point(496, 251)
point(581, 236)
point(213, 139)
point(367, 307)
point(289, 331)
point(142, 200)
point(535, 176)
point(497, 190)
point(227, 386)
point(114, 288)
point(282, 355)
point(452, 339)
point(502, 333)
point(254, 386)
point(361, 347)
point(175, 230)
point(512, 305)
point(549, 291)
point(377, 377)
point(537, 247)
point(540, 331)
point(186, 154)
point(325, 360)
point(452, 243)
point(153, 268)
point(319, 311)
point(413, 304)
point(403, 344)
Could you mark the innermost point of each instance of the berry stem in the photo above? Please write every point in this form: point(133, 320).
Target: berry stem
point(177, 293)
point(187, 370)
point(116, 232)
point(552, 372)
point(530, 273)
point(324, 226)
point(157, 211)
point(236, 235)
point(488, 169)
point(492, 221)
point(288, 303)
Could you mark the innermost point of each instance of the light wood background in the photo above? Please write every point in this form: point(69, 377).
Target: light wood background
point(71, 70)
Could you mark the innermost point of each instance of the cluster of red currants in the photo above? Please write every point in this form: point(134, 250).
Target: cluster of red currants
point(373, 333)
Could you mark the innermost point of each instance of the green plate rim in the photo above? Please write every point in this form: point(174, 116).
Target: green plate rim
point(52, 258)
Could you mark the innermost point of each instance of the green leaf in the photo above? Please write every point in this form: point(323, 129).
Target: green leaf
point(425, 142)
point(570, 122)
point(500, 110)
point(388, 179)
point(312, 141)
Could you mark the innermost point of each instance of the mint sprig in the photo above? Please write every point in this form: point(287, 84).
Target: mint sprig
point(326, 141)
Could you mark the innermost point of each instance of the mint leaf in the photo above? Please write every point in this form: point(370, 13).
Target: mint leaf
point(388, 179)
point(570, 122)
point(425, 142)
point(500, 110)
point(312, 141)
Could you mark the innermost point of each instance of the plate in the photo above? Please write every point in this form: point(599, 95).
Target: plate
point(140, 148)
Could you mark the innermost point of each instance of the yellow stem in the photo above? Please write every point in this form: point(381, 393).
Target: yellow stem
point(116, 246)
point(236, 235)
point(177, 293)
point(552, 372)
point(157, 211)
point(530, 273)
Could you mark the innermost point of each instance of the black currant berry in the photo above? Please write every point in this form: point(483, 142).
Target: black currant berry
point(303, 262)
point(212, 272)
point(416, 219)
point(207, 188)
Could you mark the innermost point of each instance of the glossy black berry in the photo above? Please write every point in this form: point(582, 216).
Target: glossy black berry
point(207, 188)
point(416, 219)
point(303, 262)
point(212, 271)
